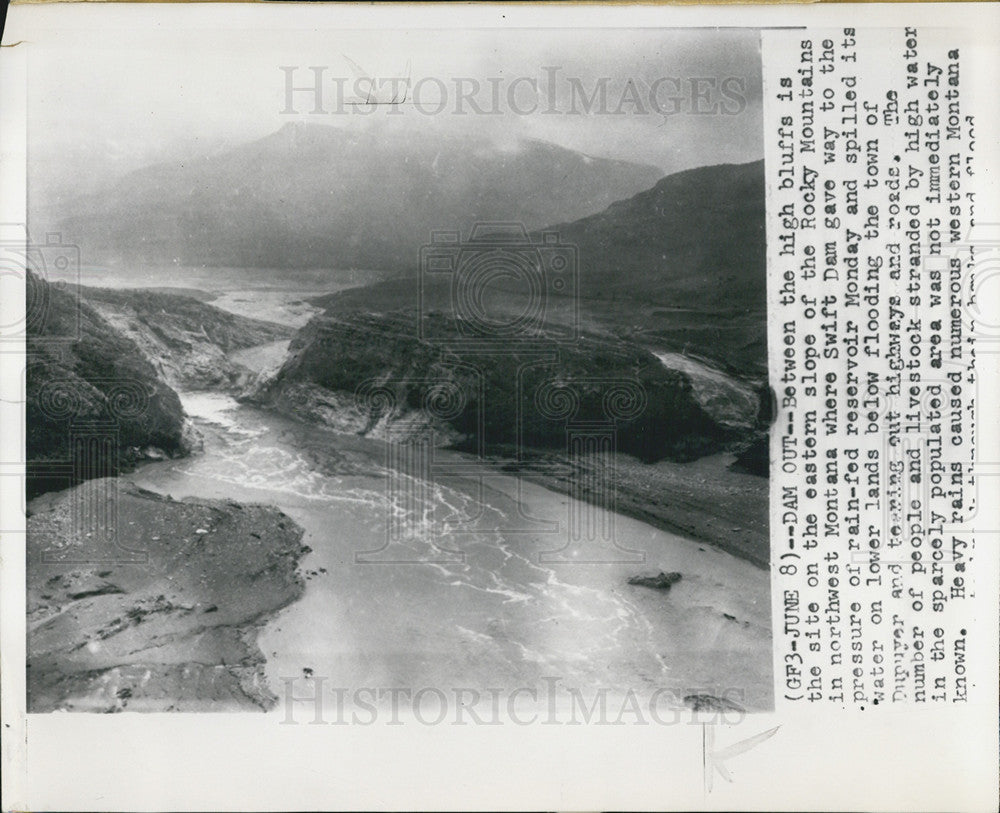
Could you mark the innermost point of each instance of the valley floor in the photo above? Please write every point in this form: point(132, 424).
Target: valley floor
point(180, 630)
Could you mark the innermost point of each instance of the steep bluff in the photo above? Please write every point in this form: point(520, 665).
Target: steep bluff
point(372, 374)
point(107, 364)
point(188, 341)
point(85, 379)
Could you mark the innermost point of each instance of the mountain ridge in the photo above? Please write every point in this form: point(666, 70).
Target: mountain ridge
point(679, 267)
point(658, 227)
point(311, 195)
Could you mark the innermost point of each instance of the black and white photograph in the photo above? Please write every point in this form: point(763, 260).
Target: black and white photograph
point(499, 406)
point(437, 382)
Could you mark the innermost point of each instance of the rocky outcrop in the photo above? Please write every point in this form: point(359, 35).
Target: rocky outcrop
point(161, 617)
point(188, 341)
point(87, 383)
point(755, 458)
point(370, 374)
point(658, 581)
point(711, 703)
point(729, 400)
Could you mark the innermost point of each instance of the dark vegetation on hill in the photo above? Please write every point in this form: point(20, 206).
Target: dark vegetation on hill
point(114, 358)
point(81, 371)
point(694, 241)
point(678, 267)
point(593, 379)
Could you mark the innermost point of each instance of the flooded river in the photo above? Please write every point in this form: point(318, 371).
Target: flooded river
point(442, 583)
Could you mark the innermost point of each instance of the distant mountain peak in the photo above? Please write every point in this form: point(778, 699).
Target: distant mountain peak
point(367, 195)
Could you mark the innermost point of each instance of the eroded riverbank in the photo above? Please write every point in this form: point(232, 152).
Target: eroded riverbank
point(162, 615)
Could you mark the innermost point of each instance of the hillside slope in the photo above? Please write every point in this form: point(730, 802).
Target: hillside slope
point(370, 374)
point(116, 359)
point(188, 341)
point(694, 241)
point(81, 371)
point(679, 267)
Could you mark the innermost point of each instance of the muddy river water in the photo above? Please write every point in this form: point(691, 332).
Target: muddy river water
point(444, 583)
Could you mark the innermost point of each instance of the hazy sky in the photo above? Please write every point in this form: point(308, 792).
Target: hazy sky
point(112, 103)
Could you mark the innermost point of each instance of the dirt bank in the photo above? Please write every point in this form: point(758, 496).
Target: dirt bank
point(171, 627)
